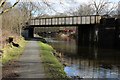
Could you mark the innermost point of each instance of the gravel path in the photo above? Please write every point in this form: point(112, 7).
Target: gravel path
point(30, 63)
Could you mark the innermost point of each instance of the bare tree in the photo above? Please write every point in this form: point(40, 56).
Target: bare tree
point(83, 9)
point(118, 10)
point(27, 9)
point(102, 7)
point(96, 7)
point(5, 7)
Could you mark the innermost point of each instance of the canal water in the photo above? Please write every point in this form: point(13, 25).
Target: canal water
point(88, 62)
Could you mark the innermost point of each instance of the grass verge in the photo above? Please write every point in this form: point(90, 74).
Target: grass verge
point(12, 53)
point(53, 67)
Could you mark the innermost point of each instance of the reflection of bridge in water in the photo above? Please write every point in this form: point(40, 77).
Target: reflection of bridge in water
point(90, 29)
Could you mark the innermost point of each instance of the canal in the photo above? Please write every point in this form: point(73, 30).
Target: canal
point(87, 62)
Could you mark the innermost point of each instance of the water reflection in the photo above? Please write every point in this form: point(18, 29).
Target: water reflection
point(91, 72)
point(88, 62)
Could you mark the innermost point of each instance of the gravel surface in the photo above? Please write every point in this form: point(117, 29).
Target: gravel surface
point(28, 66)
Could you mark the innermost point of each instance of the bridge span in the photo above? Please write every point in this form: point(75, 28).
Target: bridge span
point(65, 21)
point(91, 28)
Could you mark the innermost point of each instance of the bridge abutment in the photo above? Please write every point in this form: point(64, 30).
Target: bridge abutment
point(31, 32)
point(103, 35)
point(107, 33)
point(86, 35)
point(117, 40)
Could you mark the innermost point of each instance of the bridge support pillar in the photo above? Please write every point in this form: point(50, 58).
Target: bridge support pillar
point(107, 33)
point(30, 32)
point(86, 35)
point(117, 40)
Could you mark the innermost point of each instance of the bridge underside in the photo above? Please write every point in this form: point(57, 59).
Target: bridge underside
point(85, 27)
point(85, 32)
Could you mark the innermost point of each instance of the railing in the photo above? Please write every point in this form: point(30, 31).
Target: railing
point(68, 20)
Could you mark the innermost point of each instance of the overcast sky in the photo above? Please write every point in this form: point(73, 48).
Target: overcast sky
point(63, 5)
point(80, 1)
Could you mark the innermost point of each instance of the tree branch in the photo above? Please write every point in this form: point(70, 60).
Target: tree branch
point(4, 11)
point(2, 3)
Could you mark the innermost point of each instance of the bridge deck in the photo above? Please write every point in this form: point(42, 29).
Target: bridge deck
point(69, 20)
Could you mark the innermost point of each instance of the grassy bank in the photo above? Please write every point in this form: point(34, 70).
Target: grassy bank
point(53, 67)
point(12, 53)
